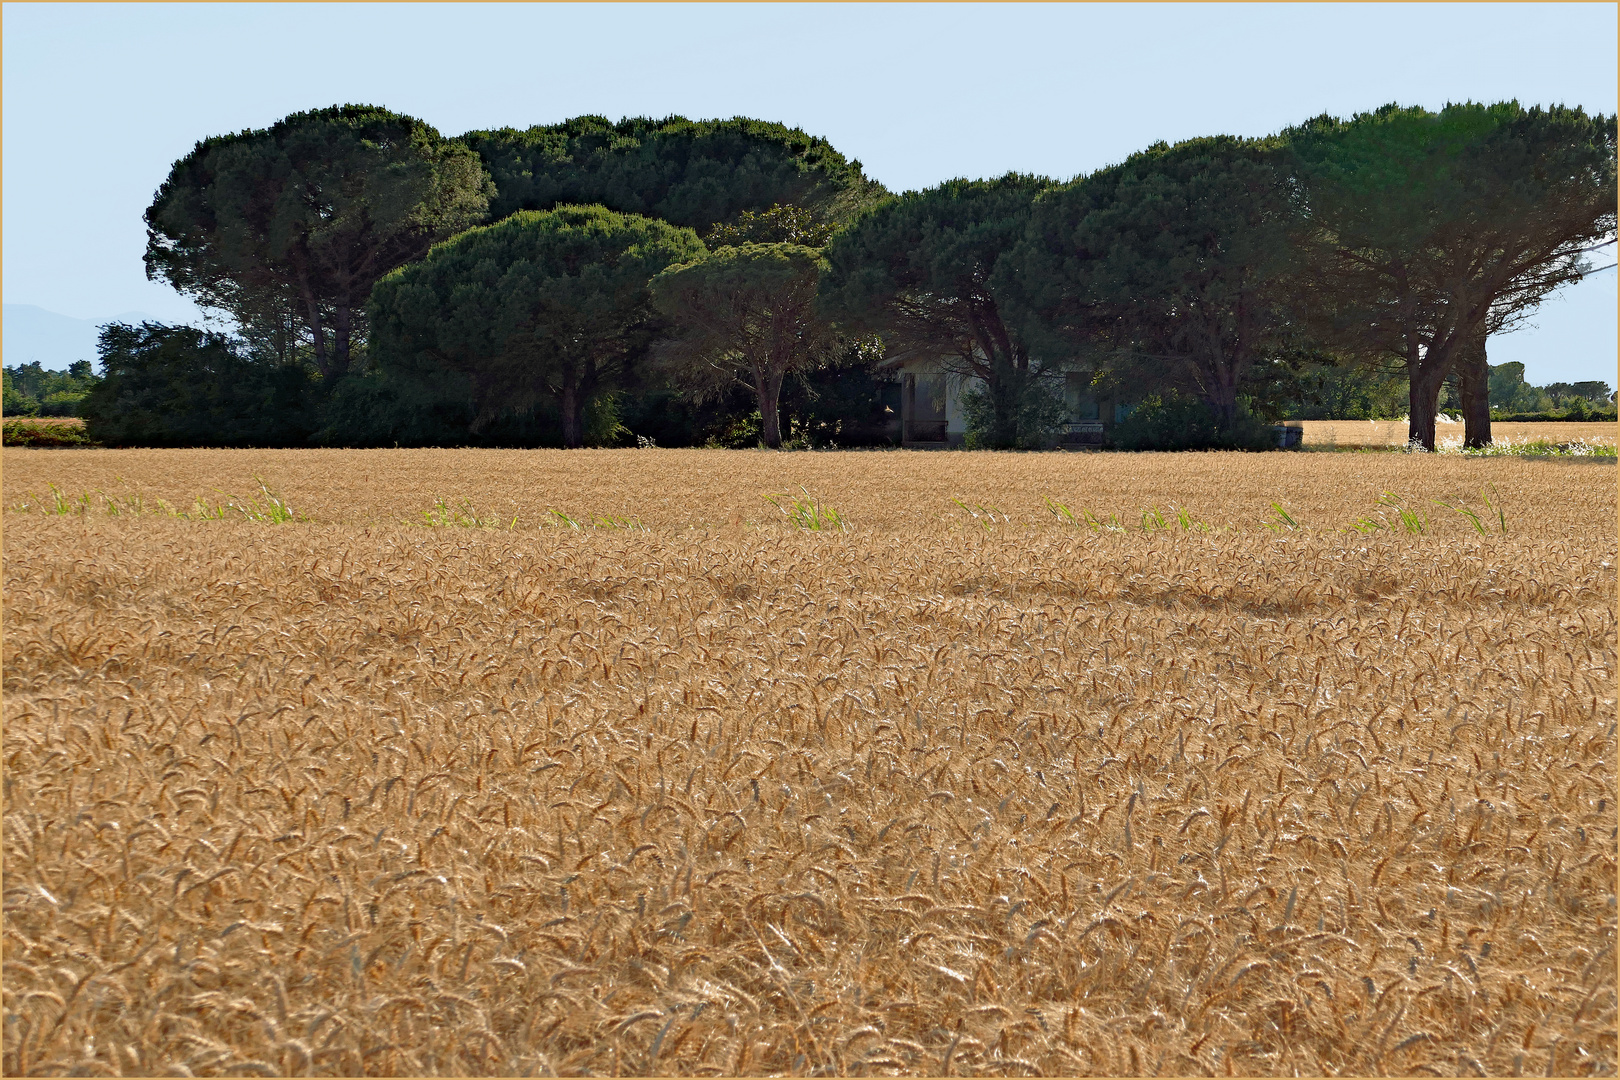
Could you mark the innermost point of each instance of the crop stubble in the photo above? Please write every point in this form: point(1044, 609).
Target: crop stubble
point(349, 796)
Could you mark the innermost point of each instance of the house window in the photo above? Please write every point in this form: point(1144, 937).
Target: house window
point(923, 405)
point(1077, 393)
point(1083, 425)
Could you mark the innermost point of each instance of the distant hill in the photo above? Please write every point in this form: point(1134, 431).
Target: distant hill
point(31, 333)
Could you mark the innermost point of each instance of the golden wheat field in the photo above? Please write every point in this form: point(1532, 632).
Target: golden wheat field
point(973, 788)
point(1345, 433)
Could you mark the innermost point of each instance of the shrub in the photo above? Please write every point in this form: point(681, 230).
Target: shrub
point(603, 424)
point(384, 407)
point(1173, 421)
point(180, 386)
point(33, 432)
point(739, 432)
point(1038, 416)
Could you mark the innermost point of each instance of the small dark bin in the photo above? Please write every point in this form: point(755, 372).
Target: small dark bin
point(1289, 438)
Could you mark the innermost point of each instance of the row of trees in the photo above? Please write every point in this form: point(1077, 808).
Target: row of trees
point(31, 390)
point(181, 386)
point(284, 229)
point(1510, 393)
point(1397, 235)
point(704, 256)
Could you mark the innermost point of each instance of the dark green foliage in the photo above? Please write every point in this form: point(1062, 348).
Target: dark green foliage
point(918, 271)
point(691, 173)
point(1516, 401)
point(1172, 421)
point(1181, 257)
point(542, 307)
point(1320, 391)
point(402, 406)
point(840, 404)
point(30, 390)
point(651, 408)
point(1433, 230)
point(603, 423)
point(1511, 396)
point(1510, 392)
point(744, 314)
point(843, 404)
point(292, 225)
point(1177, 272)
point(778, 225)
point(180, 386)
point(1038, 415)
point(389, 407)
point(740, 431)
point(1594, 392)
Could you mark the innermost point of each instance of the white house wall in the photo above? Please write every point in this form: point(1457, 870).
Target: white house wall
point(955, 419)
point(955, 387)
point(1085, 425)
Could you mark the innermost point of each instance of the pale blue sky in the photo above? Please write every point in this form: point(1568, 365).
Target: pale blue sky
point(99, 100)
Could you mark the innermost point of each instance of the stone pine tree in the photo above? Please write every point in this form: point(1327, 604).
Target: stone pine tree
point(919, 271)
point(744, 314)
point(1473, 369)
point(1178, 260)
point(544, 305)
point(782, 223)
point(693, 173)
point(302, 218)
point(1433, 230)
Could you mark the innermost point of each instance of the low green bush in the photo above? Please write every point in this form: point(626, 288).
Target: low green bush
point(1038, 415)
point(1172, 421)
point(36, 433)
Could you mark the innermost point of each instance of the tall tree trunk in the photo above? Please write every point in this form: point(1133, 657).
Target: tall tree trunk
point(1006, 393)
point(1223, 400)
point(1474, 387)
point(768, 383)
point(1222, 374)
point(312, 318)
point(341, 328)
point(285, 329)
point(1009, 368)
point(573, 416)
point(1423, 402)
